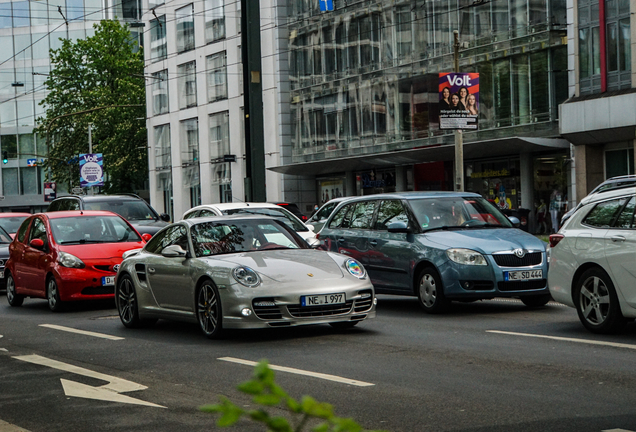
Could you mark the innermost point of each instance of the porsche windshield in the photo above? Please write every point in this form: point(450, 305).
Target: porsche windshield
point(92, 229)
point(212, 238)
point(457, 212)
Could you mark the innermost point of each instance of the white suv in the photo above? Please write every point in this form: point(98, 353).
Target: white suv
point(265, 209)
point(593, 261)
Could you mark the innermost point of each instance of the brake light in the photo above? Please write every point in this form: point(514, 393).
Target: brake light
point(304, 218)
point(318, 236)
point(555, 239)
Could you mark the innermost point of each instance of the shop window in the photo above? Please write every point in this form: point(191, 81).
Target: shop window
point(10, 181)
point(619, 162)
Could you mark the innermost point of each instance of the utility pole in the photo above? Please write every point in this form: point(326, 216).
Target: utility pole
point(459, 138)
point(253, 101)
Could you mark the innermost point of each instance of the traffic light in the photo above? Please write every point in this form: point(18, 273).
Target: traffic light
point(5, 157)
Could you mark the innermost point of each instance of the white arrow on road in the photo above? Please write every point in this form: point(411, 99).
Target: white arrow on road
point(108, 392)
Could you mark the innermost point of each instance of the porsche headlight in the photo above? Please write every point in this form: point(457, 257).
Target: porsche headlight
point(246, 276)
point(466, 257)
point(355, 268)
point(68, 260)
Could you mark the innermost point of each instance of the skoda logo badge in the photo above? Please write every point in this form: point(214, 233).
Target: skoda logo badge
point(520, 253)
point(116, 268)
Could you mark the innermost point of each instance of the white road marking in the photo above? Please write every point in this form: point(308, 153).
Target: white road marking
point(108, 392)
point(616, 430)
point(585, 341)
point(4, 349)
point(300, 372)
point(83, 332)
point(8, 427)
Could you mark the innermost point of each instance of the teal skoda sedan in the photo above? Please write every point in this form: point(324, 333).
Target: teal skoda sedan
point(440, 247)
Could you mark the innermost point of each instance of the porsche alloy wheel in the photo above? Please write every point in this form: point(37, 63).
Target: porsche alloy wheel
point(209, 310)
point(127, 302)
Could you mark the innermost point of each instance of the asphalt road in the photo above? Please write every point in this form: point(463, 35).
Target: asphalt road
point(486, 366)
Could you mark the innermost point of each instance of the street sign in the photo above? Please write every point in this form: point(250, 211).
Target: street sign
point(91, 169)
point(229, 158)
point(326, 5)
point(77, 190)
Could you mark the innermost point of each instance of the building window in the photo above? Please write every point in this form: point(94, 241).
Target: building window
point(185, 28)
point(10, 181)
point(589, 48)
point(618, 44)
point(29, 180)
point(214, 20)
point(9, 144)
point(217, 77)
point(21, 16)
point(163, 159)
point(219, 126)
point(619, 162)
point(189, 138)
point(160, 100)
point(187, 84)
point(158, 42)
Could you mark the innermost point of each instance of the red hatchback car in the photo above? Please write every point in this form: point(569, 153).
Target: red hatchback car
point(68, 256)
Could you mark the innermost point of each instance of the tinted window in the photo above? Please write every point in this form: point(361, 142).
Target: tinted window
point(11, 224)
point(173, 235)
point(92, 229)
point(389, 212)
point(212, 238)
point(38, 230)
point(191, 215)
point(626, 218)
point(324, 212)
point(206, 213)
point(72, 204)
point(340, 219)
point(23, 229)
point(604, 213)
point(362, 215)
point(54, 206)
point(128, 209)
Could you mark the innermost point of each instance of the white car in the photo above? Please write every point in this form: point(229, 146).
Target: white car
point(592, 261)
point(263, 209)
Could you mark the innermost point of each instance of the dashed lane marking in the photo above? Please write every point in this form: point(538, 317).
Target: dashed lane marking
point(565, 339)
point(83, 332)
point(301, 372)
point(8, 427)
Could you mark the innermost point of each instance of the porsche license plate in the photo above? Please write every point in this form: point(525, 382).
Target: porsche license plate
point(108, 280)
point(523, 275)
point(322, 299)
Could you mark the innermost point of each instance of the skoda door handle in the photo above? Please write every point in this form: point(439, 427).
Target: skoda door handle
point(618, 238)
point(151, 270)
point(373, 243)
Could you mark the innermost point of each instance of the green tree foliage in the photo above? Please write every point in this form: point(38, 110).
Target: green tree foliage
point(306, 413)
point(98, 80)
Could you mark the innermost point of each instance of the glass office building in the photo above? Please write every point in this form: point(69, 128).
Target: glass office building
point(28, 29)
point(364, 97)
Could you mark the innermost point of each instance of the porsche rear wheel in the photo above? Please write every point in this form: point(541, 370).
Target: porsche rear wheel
point(13, 298)
point(126, 299)
point(209, 313)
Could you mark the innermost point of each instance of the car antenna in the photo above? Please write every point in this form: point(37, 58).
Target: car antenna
point(238, 199)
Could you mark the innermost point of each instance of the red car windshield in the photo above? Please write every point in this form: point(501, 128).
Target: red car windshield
point(92, 229)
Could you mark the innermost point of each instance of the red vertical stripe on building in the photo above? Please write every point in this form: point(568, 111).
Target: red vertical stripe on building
point(602, 48)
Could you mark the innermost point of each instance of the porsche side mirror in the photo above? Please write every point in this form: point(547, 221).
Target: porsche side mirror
point(174, 251)
point(314, 242)
point(37, 243)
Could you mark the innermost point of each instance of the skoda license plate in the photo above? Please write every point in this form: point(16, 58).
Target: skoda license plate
point(323, 299)
point(108, 280)
point(2, 274)
point(523, 275)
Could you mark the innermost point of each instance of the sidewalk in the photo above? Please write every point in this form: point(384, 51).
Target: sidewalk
point(8, 427)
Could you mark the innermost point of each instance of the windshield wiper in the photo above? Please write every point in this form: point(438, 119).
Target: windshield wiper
point(487, 225)
point(81, 241)
point(443, 228)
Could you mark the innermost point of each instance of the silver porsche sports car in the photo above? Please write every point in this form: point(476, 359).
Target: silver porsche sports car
point(243, 271)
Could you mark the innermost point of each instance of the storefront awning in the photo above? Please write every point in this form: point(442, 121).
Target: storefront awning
point(472, 150)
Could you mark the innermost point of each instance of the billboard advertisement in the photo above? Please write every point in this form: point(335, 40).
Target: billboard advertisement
point(50, 191)
point(458, 100)
point(91, 170)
